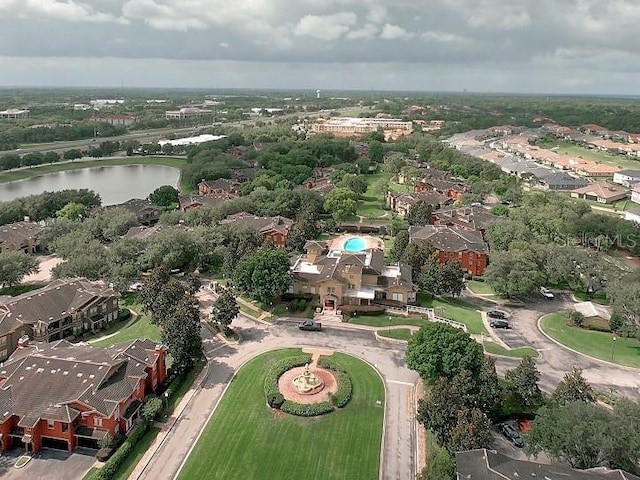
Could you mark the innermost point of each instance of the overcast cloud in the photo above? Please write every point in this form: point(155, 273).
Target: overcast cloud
point(556, 46)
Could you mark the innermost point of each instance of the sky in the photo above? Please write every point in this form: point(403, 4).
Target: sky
point(519, 46)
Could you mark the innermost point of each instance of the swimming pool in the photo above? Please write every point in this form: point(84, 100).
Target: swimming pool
point(354, 244)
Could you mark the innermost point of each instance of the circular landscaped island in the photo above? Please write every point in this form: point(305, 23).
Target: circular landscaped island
point(248, 439)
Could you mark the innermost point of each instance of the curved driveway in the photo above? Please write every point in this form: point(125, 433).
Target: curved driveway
point(399, 457)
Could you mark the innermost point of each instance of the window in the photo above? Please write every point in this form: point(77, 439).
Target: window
point(50, 424)
point(3, 341)
point(65, 426)
point(97, 421)
point(3, 354)
point(398, 297)
point(351, 286)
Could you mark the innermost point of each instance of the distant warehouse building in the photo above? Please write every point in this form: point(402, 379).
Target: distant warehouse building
point(187, 113)
point(354, 126)
point(14, 113)
point(116, 120)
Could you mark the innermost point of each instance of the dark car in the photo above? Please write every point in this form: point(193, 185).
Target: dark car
point(497, 323)
point(310, 326)
point(512, 434)
point(496, 314)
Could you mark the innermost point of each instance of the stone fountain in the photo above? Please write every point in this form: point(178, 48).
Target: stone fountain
point(308, 382)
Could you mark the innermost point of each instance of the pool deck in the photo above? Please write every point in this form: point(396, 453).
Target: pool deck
point(337, 243)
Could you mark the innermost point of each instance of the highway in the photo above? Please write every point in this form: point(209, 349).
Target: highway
point(143, 137)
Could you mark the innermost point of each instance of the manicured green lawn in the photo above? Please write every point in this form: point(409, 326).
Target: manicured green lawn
point(455, 309)
point(385, 320)
point(59, 167)
point(248, 310)
point(480, 288)
point(568, 148)
point(396, 333)
point(141, 328)
point(625, 351)
point(246, 440)
point(599, 297)
point(496, 349)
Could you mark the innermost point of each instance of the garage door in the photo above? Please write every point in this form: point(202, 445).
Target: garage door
point(55, 443)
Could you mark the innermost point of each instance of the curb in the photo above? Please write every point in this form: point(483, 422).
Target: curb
point(618, 365)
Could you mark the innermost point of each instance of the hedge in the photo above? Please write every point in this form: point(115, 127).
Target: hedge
point(271, 390)
point(362, 309)
point(152, 408)
point(306, 409)
point(345, 388)
point(110, 468)
point(124, 314)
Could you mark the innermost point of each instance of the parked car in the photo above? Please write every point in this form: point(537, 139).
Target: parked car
point(496, 314)
point(310, 326)
point(497, 323)
point(512, 434)
point(547, 293)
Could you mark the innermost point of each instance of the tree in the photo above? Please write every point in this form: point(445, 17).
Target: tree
point(51, 157)
point(430, 276)
point(512, 272)
point(14, 266)
point(579, 433)
point(472, 431)
point(264, 274)
point(574, 388)
point(452, 278)
point(394, 163)
point(574, 317)
point(164, 196)
point(72, 154)
point(440, 465)
point(341, 203)
point(522, 382)
point(399, 245)
point(455, 411)
point(376, 151)
point(419, 213)
point(224, 309)
point(181, 332)
point(440, 350)
point(355, 183)
point(72, 211)
point(152, 286)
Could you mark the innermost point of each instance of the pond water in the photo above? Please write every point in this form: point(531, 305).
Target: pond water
point(114, 184)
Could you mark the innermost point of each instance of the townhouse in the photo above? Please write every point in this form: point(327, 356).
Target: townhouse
point(274, 229)
point(20, 236)
point(601, 192)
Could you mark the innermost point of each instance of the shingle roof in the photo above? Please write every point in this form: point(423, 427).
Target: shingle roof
point(449, 239)
point(262, 224)
point(602, 190)
point(483, 464)
point(476, 218)
point(49, 379)
point(19, 232)
point(60, 298)
point(208, 201)
point(220, 184)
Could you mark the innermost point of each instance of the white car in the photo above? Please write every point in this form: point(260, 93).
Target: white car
point(546, 293)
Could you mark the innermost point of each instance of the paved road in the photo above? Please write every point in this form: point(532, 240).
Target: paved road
point(399, 450)
point(554, 360)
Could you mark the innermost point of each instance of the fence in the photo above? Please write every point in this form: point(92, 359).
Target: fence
point(429, 312)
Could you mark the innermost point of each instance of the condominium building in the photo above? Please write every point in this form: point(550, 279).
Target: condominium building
point(186, 113)
point(14, 113)
point(353, 126)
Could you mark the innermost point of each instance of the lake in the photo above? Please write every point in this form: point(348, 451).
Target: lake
point(114, 184)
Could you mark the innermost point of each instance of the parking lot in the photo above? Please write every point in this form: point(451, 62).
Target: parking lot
point(510, 336)
point(48, 465)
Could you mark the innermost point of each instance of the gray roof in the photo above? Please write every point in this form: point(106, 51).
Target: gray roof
point(60, 298)
point(220, 184)
point(449, 239)
point(475, 218)
point(19, 232)
point(483, 464)
point(52, 381)
point(262, 224)
point(630, 173)
point(208, 201)
point(562, 179)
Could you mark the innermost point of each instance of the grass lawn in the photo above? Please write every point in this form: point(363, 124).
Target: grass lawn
point(59, 167)
point(624, 351)
point(385, 320)
point(455, 309)
point(480, 288)
point(568, 148)
point(599, 297)
point(262, 445)
point(397, 333)
point(248, 310)
point(141, 328)
point(494, 348)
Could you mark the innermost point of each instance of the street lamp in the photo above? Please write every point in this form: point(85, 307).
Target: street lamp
point(613, 347)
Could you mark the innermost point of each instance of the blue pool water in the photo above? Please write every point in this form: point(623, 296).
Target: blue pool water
point(354, 244)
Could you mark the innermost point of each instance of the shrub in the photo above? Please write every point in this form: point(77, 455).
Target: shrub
point(616, 321)
point(110, 468)
point(468, 276)
point(575, 318)
point(306, 409)
point(345, 388)
point(152, 407)
point(362, 309)
point(271, 390)
point(287, 297)
point(124, 314)
point(276, 400)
